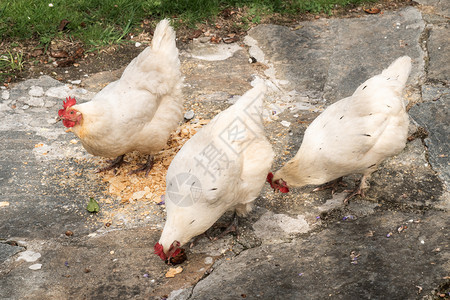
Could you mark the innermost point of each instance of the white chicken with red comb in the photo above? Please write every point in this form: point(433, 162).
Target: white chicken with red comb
point(137, 112)
point(353, 135)
point(221, 168)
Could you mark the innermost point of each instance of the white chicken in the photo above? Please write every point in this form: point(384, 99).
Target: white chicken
point(136, 112)
point(353, 135)
point(221, 168)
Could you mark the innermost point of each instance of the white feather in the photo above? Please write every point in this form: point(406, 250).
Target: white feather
point(222, 167)
point(138, 111)
point(354, 134)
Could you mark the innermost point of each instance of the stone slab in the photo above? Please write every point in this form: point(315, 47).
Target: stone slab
point(330, 58)
point(438, 52)
point(433, 115)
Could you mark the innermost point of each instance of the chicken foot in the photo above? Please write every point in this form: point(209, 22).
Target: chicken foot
point(145, 167)
point(113, 164)
point(331, 185)
point(359, 190)
point(232, 227)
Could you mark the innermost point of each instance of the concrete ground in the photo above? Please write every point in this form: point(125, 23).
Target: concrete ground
point(391, 244)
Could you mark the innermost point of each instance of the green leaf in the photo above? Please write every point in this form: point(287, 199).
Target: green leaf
point(93, 206)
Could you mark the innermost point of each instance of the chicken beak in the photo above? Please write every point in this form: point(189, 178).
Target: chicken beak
point(57, 119)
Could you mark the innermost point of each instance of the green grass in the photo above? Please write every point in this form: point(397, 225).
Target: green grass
point(98, 23)
point(12, 60)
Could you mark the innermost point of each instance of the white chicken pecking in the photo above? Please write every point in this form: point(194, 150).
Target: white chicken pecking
point(221, 168)
point(353, 135)
point(136, 112)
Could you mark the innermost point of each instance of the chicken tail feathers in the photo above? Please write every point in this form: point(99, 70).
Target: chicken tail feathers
point(399, 70)
point(164, 39)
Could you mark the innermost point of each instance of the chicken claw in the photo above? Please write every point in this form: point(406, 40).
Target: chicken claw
point(331, 185)
point(145, 167)
point(232, 227)
point(357, 191)
point(113, 164)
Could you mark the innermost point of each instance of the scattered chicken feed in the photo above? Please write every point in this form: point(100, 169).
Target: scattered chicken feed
point(129, 188)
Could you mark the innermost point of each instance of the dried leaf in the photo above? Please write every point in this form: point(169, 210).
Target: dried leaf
point(37, 52)
point(372, 10)
point(215, 39)
point(297, 27)
point(230, 40)
point(65, 63)
point(196, 34)
point(63, 24)
point(78, 53)
point(59, 54)
point(174, 271)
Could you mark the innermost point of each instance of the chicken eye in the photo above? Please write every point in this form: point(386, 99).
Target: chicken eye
point(71, 112)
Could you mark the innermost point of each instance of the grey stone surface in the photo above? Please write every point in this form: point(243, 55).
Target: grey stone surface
point(303, 245)
point(439, 57)
point(433, 115)
point(6, 251)
point(441, 8)
point(314, 57)
point(322, 265)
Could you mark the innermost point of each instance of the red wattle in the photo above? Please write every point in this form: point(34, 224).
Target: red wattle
point(68, 123)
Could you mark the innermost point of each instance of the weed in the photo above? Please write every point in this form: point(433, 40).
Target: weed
point(12, 61)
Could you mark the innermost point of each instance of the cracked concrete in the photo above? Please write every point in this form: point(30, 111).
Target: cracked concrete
point(392, 244)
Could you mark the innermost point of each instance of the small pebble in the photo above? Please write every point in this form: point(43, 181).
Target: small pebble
point(285, 123)
point(69, 233)
point(189, 115)
point(35, 267)
point(208, 260)
point(5, 95)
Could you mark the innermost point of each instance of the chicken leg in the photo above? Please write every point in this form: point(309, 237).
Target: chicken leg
point(232, 227)
point(331, 185)
point(145, 167)
point(113, 164)
point(359, 190)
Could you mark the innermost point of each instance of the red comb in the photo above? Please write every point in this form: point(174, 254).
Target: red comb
point(159, 250)
point(69, 102)
point(269, 177)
